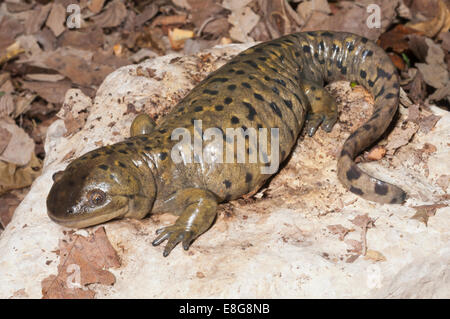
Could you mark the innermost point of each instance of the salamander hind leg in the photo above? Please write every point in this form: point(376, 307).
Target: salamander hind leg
point(198, 210)
point(323, 110)
point(142, 124)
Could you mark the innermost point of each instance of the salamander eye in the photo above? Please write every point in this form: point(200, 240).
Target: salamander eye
point(96, 197)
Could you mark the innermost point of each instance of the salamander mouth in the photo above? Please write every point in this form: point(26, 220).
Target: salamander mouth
point(83, 220)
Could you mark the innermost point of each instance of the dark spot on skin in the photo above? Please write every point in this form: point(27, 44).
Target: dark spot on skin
point(313, 88)
point(147, 148)
point(390, 96)
point(364, 40)
point(240, 72)
point(211, 92)
point(275, 44)
point(327, 34)
point(318, 98)
point(248, 177)
point(383, 74)
point(222, 80)
point(234, 120)
point(367, 127)
point(344, 70)
point(163, 130)
point(316, 55)
point(353, 173)
point(129, 144)
point(192, 120)
point(288, 103)
point(163, 155)
point(71, 183)
point(109, 151)
point(227, 197)
point(381, 188)
point(218, 107)
point(350, 46)
point(123, 152)
point(230, 70)
point(276, 109)
point(376, 115)
point(367, 53)
point(233, 62)
point(379, 93)
point(371, 84)
point(231, 87)
point(251, 111)
point(329, 73)
point(363, 74)
point(311, 33)
point(121, 164)
point(280, 82)
point(143, 138)
point(306, 49)
point(95, 155)
point(267, 78)
point(289, 41)
point(260, 50)
point(111, 176)
point(339, 63)
point(275, 90)
point(258, 96)
point(228, 100)
point(321, 45)
point(259, 126)
point(335, 48)
point(396, 85)
point(356, 190)
point(181, 109)
point(251, 63)
point(251, 77)
point(262, 58)
point(274, 70)
point(297, 54)
point(227, 183)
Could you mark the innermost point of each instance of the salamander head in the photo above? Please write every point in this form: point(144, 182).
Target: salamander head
point(96, 188)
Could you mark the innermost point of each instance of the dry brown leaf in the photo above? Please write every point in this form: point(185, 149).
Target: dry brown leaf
point(400, 136)
point(96, 5)
point(149, 12)
point(56, 19)
point(13, 176)
point(440, 23)
point(52, 92)
point(243, 21)
point(114, 14)
point(20, 147)
point(6, 105)
point(44, 77)
point(8, 204)
point(83, 261)
point(88, 39)
point(10, 29)
point(5, 137)
point(36, 18)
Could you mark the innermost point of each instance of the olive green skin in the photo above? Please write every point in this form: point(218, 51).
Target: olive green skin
point(276, 84)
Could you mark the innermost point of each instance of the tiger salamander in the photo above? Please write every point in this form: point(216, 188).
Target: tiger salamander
point(276, 84)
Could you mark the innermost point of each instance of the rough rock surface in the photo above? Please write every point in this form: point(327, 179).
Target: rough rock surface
point(302, 236)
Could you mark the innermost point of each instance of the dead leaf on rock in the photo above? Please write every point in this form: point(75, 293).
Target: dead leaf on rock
point(83, 261)
point(376, 153)
point(52, 92)
point(8, 204)
point(400, 136)
point(427, 123)
point(338, 230)
point(243, 20)
point(6, 105)
point(424, 212)
point(5, 137)
point(374, 255)
point(36, 18)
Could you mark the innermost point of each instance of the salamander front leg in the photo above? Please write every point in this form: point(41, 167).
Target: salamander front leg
point(199, 209)
point(142, 124)
point(323, 108)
